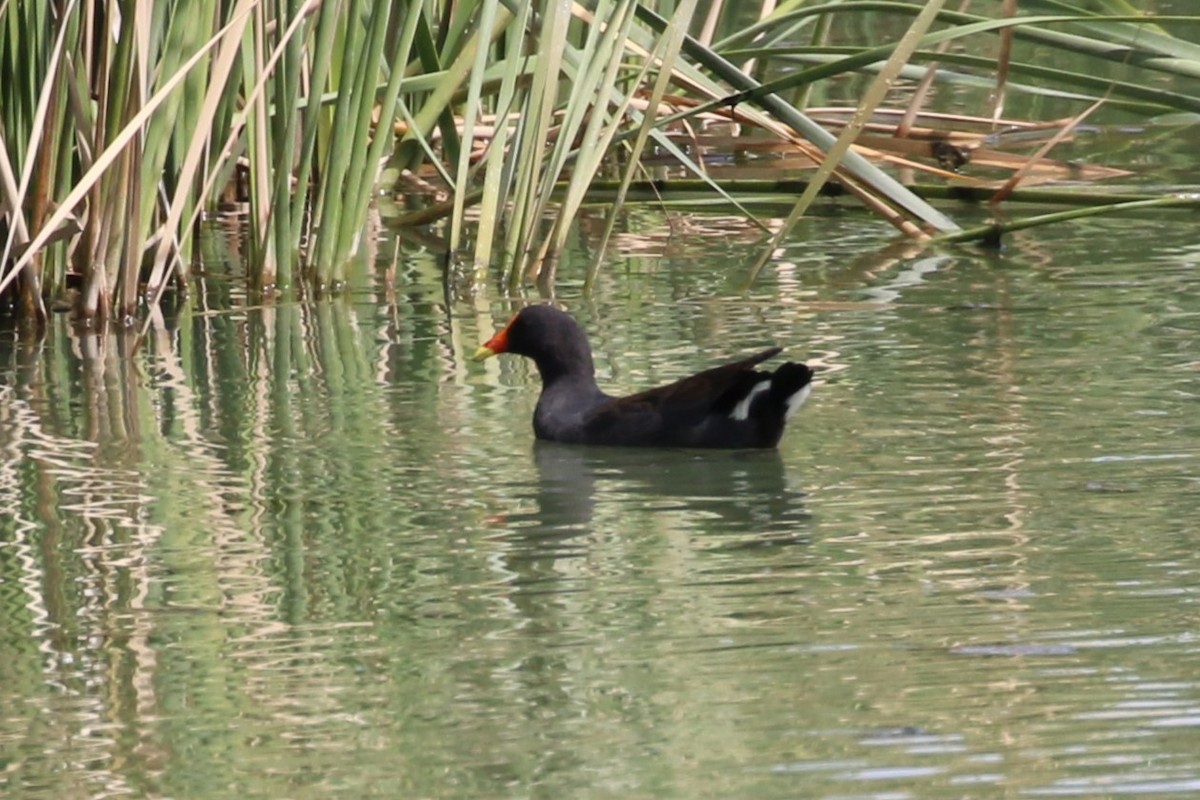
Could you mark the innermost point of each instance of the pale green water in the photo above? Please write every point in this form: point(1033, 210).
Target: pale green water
point(314, 552)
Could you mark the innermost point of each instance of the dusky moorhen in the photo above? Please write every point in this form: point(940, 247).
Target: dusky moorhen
point(730, 406)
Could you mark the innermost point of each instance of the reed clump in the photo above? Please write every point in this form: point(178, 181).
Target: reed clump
point(123, 125)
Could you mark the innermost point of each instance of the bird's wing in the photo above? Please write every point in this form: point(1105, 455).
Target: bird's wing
point(681, 404)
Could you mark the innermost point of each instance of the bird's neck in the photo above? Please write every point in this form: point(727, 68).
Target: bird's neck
point(576, 371)
point(570, 362)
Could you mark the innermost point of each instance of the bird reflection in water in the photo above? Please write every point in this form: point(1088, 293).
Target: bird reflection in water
point(738, 496)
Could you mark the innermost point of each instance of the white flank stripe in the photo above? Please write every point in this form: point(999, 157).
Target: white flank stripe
point(742, 409)
point(796, 400)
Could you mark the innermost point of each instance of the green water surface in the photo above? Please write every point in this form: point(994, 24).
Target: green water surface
point(313, 551)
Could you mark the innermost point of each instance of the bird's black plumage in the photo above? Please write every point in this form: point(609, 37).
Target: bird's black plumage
point(730, 406)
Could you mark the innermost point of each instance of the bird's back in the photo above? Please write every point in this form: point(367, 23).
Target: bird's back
point(730, 406)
